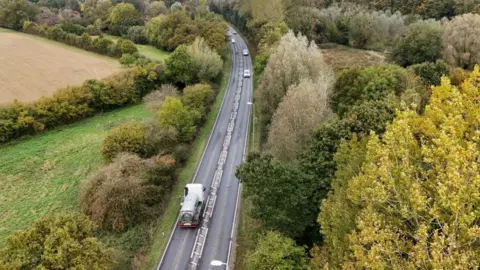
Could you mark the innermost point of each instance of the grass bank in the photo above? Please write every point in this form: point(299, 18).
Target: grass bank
point(41, 175)
point(166, 222)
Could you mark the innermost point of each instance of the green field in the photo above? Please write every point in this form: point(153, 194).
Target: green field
point(41, 175)
point(146, 50)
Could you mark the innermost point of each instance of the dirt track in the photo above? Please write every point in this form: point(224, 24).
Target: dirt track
point(31, 67)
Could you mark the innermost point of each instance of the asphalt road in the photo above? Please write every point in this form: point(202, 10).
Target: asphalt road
point(217, 245)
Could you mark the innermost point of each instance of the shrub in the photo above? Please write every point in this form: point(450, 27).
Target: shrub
point(431, 73)
point(420, 42)
point(460, 41)
point(126, 46)
point(155, 99)
point(174, 114)
point(159, 140)
point(128, 137)
point(135, 59)
point(114, 91)
point(458, 76)
point(53, 242)
point(137, 34)
point(162, 171)
point(118, 196)
point(182, 152)
point(73, 28)
point(103, 45)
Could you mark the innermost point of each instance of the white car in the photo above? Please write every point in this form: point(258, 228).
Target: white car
point(246, 73)
point(245, 52)
point(233, 40)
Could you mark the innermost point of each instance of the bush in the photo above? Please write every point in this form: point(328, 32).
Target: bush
point(128, 137)
point(115, 91)
point(135, 59)
point(458, 76)
point(54, 242)
point(137, 34)
point(431, 73)
point(461, 42)
point(420, 42)
point(155, 99)
point(163, 169)
point(103, 45)
point(206, 62)
point(118, 196)
point(73, 28)
point(159, 140)
point(126, 46)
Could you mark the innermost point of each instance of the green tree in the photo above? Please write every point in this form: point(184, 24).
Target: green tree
point(180, 66)
point(418, 187)
point(375, 83)
point(275, 251)
point(173, 114)
point(431, 73)
point(56, 242)
point(281, 193)
point(13, 13)
point(156, 8)
point(420, 42)
point(172, 30)
point(122, 17)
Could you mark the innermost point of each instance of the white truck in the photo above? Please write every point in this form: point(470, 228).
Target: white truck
point(192, 206)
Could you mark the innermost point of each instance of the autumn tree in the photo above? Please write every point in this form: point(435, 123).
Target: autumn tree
point(275, 251)
point(417, 191)
point(461, 46)
point(420, 42)
point(303, 108)
point(56, 242)
point(174, 114)
point(171, 30)
point(197, 99)
point(127, 137)
point(294, 59)
point(13, 13)
point(122, 17)
point(120, 195)
point(155, 99)
point(207, 64)
point(156, 8)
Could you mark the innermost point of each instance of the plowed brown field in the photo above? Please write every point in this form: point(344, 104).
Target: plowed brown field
point(32, 67)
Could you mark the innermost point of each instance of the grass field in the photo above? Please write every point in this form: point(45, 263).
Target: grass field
point(41, 175)
point(147, 50)
point(340, 57)
point(33, 67)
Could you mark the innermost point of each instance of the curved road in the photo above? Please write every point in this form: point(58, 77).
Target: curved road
point(179, 253)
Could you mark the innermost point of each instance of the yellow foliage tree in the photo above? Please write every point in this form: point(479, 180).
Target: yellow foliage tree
point(418, 192)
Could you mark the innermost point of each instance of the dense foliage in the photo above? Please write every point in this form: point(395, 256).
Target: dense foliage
point(56, 242)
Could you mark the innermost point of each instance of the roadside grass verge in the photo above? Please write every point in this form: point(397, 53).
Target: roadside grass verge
point(165, 224)
point(146, 50)
point(41, 175)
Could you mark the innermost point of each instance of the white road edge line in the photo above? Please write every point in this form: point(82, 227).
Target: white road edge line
point(201, 159)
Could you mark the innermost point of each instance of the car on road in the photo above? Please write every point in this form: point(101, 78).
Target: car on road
point(245, 52)
point(246, 73)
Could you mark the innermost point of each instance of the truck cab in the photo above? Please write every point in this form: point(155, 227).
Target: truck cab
point(192, 206)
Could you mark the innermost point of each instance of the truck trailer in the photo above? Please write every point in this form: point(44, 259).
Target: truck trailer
point(192, 206)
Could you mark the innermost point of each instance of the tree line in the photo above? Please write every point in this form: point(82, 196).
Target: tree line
point(354, 167)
